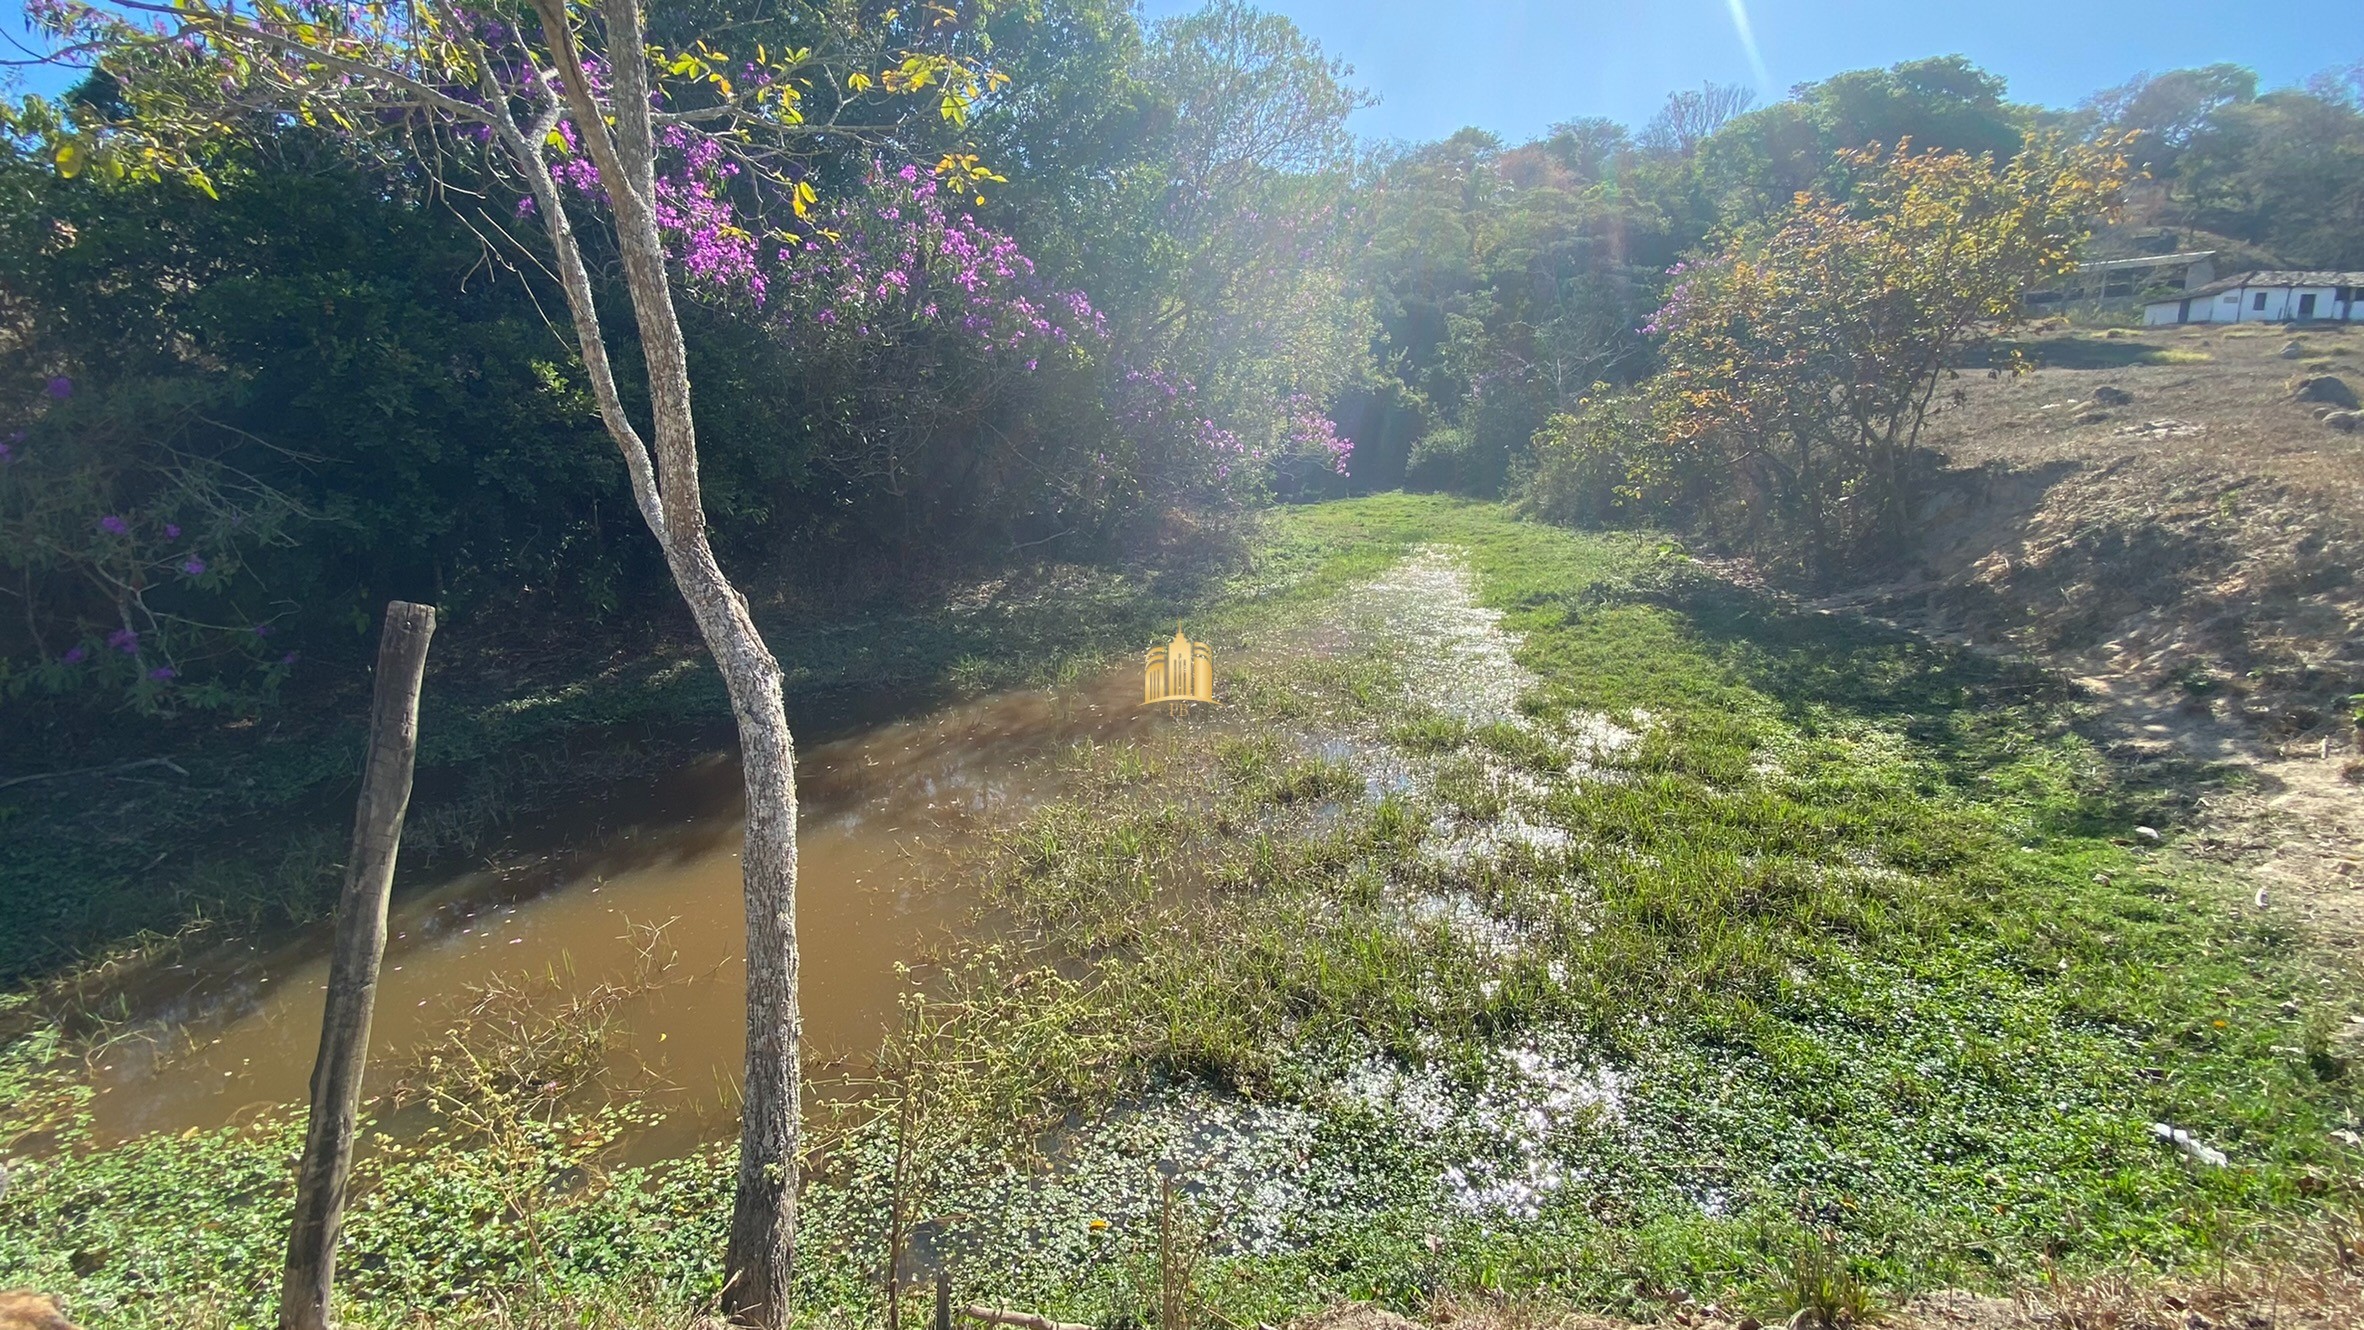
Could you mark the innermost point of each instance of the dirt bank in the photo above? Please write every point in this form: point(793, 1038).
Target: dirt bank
point(2161, 516)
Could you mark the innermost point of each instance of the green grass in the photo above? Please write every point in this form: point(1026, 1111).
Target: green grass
point(1858, 921)
point(1890, 992)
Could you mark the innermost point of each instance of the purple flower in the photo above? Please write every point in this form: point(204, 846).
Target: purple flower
point(74, 656)
point(171, 532)
point(262, 630)
point(7, 454)
point(61, 387)
point(125, 641)
point(114, 526)
point(288, 659)
point(162, 673)
point(193, 566)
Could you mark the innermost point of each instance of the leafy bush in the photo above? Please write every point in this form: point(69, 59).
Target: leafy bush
point(1445, 458)
point(1592, 466)
point(318, 380)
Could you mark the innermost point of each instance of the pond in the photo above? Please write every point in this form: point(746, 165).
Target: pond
point(887, 812)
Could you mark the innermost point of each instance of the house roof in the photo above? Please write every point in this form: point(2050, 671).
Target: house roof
point(2269, 277)
point(2185, 259)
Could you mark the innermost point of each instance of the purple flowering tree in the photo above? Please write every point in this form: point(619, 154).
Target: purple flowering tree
point(598, 127)
point(926, 341)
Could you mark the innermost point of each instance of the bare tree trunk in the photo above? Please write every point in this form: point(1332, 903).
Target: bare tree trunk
point(664, 472)
point(759, 1262)
point(353, 968)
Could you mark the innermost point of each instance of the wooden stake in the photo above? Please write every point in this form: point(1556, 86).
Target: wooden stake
point(353, 967)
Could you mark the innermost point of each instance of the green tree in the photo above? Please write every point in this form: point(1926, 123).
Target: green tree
point(1249, 290)
point(2169, 110)
point(1755, 164)
point(2284, 171)
point(1802, 361)
point(1506, 282)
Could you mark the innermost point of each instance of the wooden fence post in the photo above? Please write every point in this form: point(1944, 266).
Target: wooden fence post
point(353, 968)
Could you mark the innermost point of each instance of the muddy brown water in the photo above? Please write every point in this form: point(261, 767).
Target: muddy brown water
point(885, 813)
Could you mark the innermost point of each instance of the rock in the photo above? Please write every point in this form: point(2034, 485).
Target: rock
point(2293, 349)
point(2108, 395)
point(2326, 388)
point(2089, 417)
point(2346, 422)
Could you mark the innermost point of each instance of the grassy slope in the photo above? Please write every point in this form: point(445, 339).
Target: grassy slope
point(1917, 988)
point(1861, 925)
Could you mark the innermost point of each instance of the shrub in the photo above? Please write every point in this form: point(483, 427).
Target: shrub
point(1443, 459)
point(1597, 465)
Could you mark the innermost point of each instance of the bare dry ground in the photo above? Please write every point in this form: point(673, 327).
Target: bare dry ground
point(2278, 1299)
point(2160, 515)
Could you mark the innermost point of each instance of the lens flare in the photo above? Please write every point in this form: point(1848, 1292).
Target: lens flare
point(1748, 43)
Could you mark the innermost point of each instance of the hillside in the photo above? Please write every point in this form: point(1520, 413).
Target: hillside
point(2157, 515)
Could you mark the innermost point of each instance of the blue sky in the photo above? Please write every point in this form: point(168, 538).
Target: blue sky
point(1515, 66)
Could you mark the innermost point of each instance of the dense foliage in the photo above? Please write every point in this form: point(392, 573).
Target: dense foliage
point(1515, 287)
point(332, 376)
point(253, 382)
point(238, 412)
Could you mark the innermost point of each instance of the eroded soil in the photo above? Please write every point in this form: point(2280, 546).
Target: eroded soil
point(2160, 516)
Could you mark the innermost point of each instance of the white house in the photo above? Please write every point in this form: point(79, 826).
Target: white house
point(2265, 297)
point(2103, 281)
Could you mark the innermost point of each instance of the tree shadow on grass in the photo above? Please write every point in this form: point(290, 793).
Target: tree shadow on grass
point(2073, 353)
point(1971, 713)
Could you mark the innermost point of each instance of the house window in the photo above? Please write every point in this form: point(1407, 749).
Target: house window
point(2259, 303)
